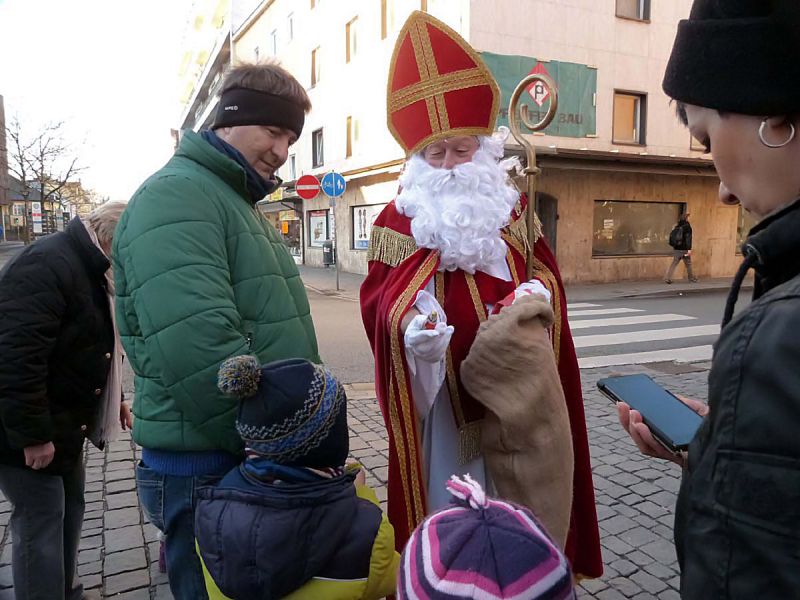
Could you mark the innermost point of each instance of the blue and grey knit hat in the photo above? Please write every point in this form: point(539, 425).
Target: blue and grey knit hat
point(291, 412)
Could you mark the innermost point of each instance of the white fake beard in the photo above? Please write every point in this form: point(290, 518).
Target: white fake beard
point(460, 211)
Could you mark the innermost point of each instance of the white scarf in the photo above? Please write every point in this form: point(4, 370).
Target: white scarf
point(107, 426)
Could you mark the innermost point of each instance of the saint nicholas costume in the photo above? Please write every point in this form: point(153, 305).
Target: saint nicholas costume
point(439, 87)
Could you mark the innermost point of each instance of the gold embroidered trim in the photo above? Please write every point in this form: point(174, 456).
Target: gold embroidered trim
point(395, 314)
point(480, 307)
point(546, 275)
point(511, 266)
point(389, 247)
point(469, 442)
point(399, 444)
point(457, 80)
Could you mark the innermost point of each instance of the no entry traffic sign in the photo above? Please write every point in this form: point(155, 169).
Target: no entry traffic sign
point(307, 187)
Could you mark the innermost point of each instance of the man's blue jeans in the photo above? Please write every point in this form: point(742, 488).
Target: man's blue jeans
point(169, 501)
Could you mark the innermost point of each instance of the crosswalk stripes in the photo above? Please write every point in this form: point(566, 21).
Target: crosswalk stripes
point(607, 336)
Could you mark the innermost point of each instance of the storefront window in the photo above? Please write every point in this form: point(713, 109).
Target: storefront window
point(625, 228)
point(317, 228)
point(362, 219)
point(745, 223)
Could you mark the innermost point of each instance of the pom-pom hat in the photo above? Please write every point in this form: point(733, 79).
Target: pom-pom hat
point(482, 548)
point(292, 412)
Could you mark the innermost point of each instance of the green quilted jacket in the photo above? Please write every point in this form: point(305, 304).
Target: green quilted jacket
point(200, 277)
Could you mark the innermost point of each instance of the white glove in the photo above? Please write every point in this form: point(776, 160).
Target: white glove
point(429, 345)
point(534, 286)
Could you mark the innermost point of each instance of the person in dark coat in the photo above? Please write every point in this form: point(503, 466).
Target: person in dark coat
point(57, 351)
point(737, 524)
point(680, 238)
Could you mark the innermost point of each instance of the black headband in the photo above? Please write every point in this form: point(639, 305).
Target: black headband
point(243, 106)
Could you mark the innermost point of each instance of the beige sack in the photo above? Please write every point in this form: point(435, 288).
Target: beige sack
point(526, 437)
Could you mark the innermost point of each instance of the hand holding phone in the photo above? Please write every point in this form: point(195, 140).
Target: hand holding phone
point(657, 415)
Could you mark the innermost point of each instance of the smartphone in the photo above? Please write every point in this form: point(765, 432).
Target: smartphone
point(672, 423)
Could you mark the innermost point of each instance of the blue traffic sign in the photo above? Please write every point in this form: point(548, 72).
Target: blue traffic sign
point(333, 185)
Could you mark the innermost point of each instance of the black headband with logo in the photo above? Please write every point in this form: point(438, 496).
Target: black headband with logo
point(243, 106)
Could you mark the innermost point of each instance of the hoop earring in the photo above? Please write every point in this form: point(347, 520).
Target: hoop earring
point(766, 143)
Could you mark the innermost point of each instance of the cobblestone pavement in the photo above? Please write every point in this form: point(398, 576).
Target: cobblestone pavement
point(635, 502)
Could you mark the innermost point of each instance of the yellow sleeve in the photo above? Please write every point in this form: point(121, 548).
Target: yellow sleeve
point(384, 561)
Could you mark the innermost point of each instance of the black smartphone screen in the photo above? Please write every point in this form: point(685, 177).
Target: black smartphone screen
point(670, 420)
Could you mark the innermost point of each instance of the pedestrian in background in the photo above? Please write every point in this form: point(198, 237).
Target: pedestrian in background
point(201, 277)
point(59, 384)
point(737, 524)
point(680, 238)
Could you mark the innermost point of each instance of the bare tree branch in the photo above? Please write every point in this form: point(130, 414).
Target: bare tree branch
point(43, 162)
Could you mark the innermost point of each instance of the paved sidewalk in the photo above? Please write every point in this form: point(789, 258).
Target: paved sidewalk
point(635, 502)
point(323, 281)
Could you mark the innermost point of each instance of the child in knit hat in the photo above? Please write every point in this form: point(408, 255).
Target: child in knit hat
point(482, 548)
point(289, 522)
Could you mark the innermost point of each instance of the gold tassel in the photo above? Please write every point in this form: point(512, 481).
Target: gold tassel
point(469, 442)
point(390, 247)
point(519, 230)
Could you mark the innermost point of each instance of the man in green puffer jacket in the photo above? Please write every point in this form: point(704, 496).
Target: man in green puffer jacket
point(200, 277)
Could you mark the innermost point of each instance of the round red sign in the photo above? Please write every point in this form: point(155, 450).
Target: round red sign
point(307, 187)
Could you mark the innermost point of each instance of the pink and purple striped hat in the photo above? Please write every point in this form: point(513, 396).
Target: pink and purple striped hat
point(482, 548)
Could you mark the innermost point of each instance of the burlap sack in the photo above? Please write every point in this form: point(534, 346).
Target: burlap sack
point(525, 437)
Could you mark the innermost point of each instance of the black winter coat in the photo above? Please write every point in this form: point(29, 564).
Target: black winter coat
point(56, 339)
point(686, 240)
point(737, 526)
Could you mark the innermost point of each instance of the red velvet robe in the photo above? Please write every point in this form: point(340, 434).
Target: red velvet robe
point(397, 271)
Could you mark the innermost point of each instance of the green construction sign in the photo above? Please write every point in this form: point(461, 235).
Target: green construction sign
point(577, 86)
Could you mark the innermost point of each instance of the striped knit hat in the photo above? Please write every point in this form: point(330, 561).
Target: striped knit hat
point(482, 548)
point(291, 412)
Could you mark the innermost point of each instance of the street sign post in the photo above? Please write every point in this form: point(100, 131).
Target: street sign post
point(307, 187)
point(333, 186)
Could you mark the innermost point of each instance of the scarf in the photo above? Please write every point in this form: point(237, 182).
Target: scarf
point(261, 470)
point(107, 426)
point(257, 186)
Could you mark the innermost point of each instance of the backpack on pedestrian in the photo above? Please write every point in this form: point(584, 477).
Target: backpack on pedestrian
point(676, 236)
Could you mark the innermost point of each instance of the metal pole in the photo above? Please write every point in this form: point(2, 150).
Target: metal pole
point(518, 114)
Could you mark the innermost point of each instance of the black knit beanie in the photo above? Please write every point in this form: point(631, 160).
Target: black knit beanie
point(740, 56)
point(292, 412)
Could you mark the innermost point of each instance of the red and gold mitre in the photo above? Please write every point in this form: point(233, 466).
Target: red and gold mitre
point(438, 87)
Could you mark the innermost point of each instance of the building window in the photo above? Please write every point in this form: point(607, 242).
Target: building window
point(290, 26)
point(292, 167)
point(316, 149)
point(630, 116)
point(634, 9)
point(318, 228)
point(744, 224)
point(625, 228)
point(387, 17)
point(350, 33)
point(349, 149)
point(273, 38)
point(315, 66)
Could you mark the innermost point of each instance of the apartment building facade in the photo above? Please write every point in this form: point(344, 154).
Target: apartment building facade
point(617, 166)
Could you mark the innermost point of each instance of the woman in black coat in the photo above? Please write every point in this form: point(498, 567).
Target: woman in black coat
point(57, 348)
point(734, 71)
